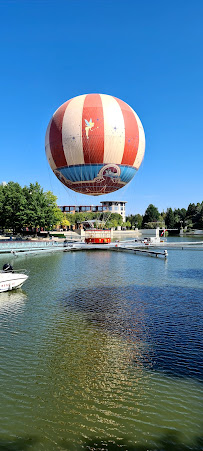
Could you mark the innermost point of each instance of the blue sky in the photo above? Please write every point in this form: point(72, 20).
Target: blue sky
point(148, 53)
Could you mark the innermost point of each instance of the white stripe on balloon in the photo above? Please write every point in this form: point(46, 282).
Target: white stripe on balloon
point(72, 131)
point(114, 130)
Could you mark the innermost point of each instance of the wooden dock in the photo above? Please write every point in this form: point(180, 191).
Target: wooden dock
point(148, 252)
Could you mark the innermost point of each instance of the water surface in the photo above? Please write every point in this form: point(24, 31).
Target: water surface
point(103, 350)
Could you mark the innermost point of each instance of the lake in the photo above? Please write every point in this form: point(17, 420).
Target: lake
point(103, 350)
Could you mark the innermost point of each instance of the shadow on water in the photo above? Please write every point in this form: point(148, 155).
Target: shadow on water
point(168, 442)
point(196, 274)
point(19, 444)
point(166, 319)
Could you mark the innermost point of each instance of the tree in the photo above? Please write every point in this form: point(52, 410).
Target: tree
point(179, 217)
point(191, 211)
point(161, 221)
point(114, 220)
point(194, 215)
point(128, 224)
point(151, 214)
point(103, 219)
point(53, 215)
point(199, 216)
point(138, 221)
point(135, 220)
point(169, 219)
point(41, 207)
point(14, 207)
point(65, 222)
point(199, 224)
point(35, 205)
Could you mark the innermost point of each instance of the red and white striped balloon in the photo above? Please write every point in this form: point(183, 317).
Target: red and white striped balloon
point(95, 143)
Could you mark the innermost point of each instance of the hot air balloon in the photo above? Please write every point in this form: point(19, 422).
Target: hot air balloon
point(95, 144)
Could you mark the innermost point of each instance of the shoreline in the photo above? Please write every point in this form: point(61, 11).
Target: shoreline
point(139, 233)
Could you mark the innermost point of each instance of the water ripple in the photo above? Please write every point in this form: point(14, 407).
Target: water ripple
point(103, 352)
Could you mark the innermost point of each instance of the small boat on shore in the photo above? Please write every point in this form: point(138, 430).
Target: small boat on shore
point(10, 279)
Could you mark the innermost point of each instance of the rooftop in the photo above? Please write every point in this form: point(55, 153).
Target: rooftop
point(114, 201)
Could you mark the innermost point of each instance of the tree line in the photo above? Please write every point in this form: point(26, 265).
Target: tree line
point(31, 208)
point(190, 218)
point(104, 219)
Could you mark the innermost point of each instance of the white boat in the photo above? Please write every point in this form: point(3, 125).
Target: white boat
point(10, 279)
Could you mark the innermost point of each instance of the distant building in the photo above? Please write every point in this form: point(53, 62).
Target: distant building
point(114, 206)
point(81, 208)
point(3, 183)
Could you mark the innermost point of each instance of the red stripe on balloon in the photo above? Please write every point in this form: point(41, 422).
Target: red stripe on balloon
point(55, 136)
point(93, 135)
point(131, 133)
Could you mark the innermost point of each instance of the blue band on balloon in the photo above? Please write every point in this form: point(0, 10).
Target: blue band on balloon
point(83, 173)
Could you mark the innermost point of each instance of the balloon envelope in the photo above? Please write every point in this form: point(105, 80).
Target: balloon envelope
point(95, 143)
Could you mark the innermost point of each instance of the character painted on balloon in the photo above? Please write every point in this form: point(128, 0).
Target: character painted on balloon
point(88, 127)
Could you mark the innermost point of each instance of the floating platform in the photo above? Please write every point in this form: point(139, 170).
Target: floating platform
point(157, 249)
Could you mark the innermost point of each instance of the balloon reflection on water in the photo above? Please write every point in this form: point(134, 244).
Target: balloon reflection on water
point(111, 346)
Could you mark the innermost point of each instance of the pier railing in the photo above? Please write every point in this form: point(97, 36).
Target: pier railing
point(9, 246)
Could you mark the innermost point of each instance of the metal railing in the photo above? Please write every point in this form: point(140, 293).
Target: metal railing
point(27, 245)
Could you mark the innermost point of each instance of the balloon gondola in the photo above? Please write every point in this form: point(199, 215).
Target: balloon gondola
point(95, 144)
